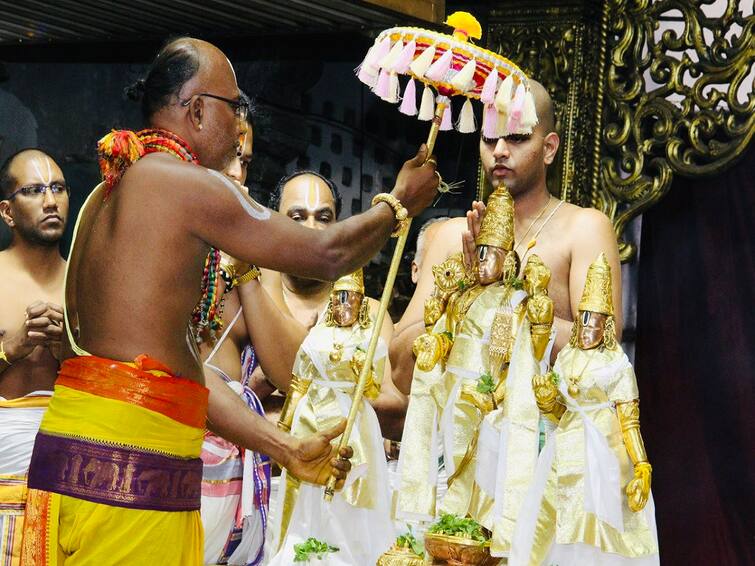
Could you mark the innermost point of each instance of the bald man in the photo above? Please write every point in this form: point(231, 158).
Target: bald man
point(34, 206)
point(566, 237)
point(116, 470)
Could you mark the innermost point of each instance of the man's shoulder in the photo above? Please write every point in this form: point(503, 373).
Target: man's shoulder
point(588, 230)
point(447, 233)
point(160, 169)
point(584, 221)
point(456, 224)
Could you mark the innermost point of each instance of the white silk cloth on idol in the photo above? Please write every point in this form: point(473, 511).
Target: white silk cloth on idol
point(490, 472)
point(18, 429)
point(447, 420)
point(602, 492)
point(361, 534)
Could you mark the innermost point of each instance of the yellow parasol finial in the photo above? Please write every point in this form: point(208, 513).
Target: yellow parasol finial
point(465, 26)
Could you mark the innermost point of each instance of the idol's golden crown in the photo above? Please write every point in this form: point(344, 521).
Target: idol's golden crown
point(597, 295)
point(351, 282)
point(498, 224)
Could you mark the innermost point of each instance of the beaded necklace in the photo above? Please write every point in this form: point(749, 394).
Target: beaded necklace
point(120, 149)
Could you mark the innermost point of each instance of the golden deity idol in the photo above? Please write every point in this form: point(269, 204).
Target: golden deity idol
point(418, 460)
point(508, 438)
point(487, 320)
point(594, 504)
point(326, 370)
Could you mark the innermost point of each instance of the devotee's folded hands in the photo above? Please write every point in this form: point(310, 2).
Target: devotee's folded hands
point(43, 327)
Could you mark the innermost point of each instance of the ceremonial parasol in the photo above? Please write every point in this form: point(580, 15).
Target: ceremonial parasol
point(447, 66)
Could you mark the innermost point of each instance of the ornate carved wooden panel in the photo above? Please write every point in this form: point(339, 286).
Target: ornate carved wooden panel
point(643, 90)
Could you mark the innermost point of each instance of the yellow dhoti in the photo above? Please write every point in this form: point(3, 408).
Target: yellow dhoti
point(115, 477)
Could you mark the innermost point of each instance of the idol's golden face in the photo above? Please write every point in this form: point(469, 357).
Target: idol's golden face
point(490, 263)
point(592, 328)
point(345, 307)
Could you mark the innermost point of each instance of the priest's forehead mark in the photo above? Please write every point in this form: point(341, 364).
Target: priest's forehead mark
point(44, 173)
point(313, 201)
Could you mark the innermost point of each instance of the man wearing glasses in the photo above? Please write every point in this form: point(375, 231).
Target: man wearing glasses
point(115, 476)
point(34, 206)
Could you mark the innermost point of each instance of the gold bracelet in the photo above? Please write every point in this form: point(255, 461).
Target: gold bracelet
point(399, 211)
point(3, 355)
point(250, 275)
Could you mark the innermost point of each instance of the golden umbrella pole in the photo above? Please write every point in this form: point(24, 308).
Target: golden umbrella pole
point(356, 402)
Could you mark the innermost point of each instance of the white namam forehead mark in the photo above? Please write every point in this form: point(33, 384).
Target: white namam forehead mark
point(313, 201)
point(44, 173)
point(252, 208)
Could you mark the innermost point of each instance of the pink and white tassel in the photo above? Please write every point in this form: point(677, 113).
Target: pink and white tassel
point(503, 97)
point(367, 75)
point(446, 123)
point(502, 129)
point(409, 102)
point(427, 106)
point(401, 64)
point(487, 96)
point(466, 123)
point(513, 126)
point(368, 70)
point(438, 70)
point(490, 122)
point(422, 63)
point(383, 84)
point(529, 114)
point(464, 78)
point(393, 88)
point(517, 107)
point(388, 61)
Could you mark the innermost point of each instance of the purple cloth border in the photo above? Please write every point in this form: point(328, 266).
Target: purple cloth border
point(115, 475)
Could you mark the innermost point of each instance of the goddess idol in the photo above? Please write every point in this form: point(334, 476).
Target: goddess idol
point(590, 501)
point(357, 521)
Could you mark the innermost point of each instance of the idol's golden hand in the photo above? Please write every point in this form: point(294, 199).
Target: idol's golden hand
point(296, 391)
point(547, 396)
point(638, 489)
point(426, 349)
point(371, 389)
point(472, 395)
point(314, 458)
point(434, 307)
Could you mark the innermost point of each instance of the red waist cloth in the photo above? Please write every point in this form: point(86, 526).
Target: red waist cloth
point(180, 399)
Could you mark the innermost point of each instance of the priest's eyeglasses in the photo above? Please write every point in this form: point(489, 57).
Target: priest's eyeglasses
point(39, 190)
point(240, 107)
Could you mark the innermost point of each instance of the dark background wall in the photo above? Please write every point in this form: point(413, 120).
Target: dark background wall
point(695, 362)
point(312, 113)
